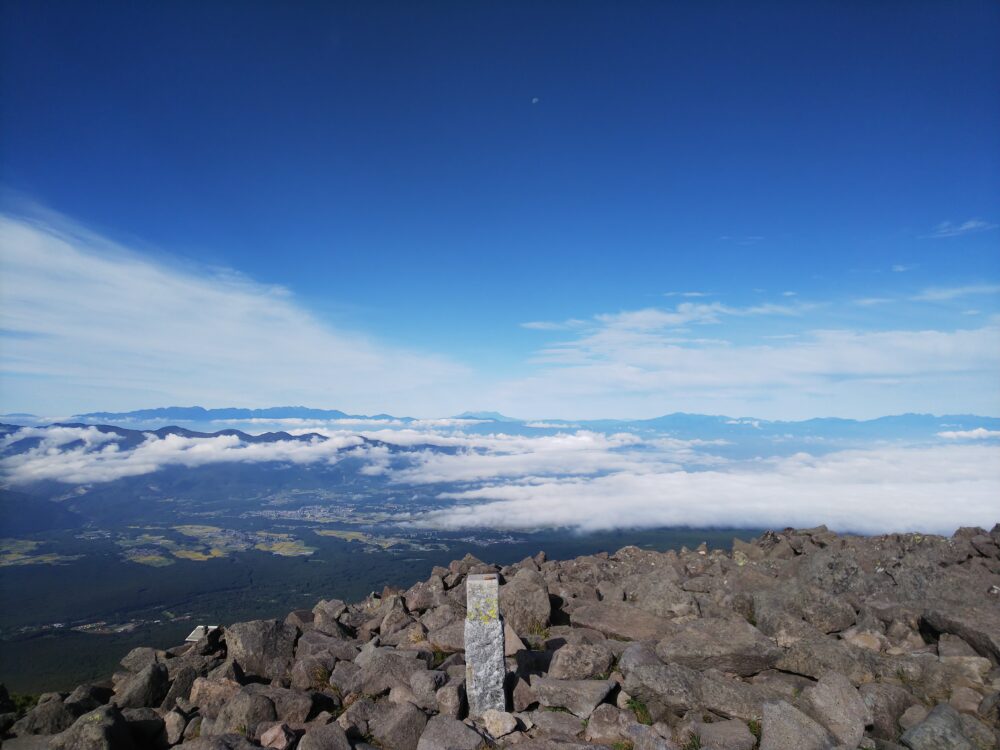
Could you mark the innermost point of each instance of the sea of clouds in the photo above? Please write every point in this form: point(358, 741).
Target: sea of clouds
point(579, 479)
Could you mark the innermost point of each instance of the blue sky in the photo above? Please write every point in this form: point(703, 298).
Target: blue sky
point(778, 209)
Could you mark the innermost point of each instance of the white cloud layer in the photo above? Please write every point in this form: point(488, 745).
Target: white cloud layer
point(980, 433)
point(76, 455)
point(585, 480)
point(932, 489)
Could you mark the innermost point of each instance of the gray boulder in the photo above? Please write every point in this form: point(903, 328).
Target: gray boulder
point(814, 657)
point(399, 727)
point(386, 669)
point(835, 704)
point(979, 626)
point(886, 702)
point(221, 742)
point(145, 689)
point(101, 729)
point(579, 697)
point(524, 602)
point(146, 726)
point(210, 695)
point(944, 727)
point(656, 594)
point(139, 658)
point(324, 737)
point(180, 687)
point(49, 717)
point(580, 662)
point(725, 735)
point(447, 733)
point(728, 645)
point(555, 723)
point(623, 621)
point(729, 697)
point(243, 712)
point(263, 648)
point(174, 724)
point(609, 724)
point(664, 688)
point(784, 727)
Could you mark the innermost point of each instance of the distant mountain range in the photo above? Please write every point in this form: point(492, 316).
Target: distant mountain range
point(200, 414)
point(680, 423)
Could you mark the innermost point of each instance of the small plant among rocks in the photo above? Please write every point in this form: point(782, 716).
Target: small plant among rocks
point(642, 714)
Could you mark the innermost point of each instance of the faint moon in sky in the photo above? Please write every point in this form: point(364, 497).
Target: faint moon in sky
point(534, 100)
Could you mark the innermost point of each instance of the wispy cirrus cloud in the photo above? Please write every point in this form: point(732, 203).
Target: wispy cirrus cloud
point(955, 229)
point(641, 362)
point(943, 294)
point(86, 320)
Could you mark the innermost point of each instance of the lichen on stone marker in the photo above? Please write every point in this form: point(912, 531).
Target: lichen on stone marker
point(485, 668)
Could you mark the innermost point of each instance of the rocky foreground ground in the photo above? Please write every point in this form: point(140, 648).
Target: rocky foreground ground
point(799, 640)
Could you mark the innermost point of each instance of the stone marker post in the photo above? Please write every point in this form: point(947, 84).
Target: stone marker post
point(485, 668)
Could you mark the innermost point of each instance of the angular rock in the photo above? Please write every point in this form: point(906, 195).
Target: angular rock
point(386, 669)
point(279, 737)
point(210, 695)
point(886, 702)
point(243, 712)
point(221, 742)
point(451, 701)
point(816, 656)
point(49, 717)
point(977, 625)
point(101, 729)
point(524, 601)
point(728, 645)
point(147, 688)
point(180, 687)
point(623, 621)
point(579, 697)
point(942, 728)
point(399, 727)
point(580, 662)
point(263, 648)
point(730, 697)
point(664, 688)
point(174, 723)
point(784, 727)
point(556, 723)
point(656, 594)
point(324, 737)
point(498, 723)
point(835, 704)
point(139, 658)
point(608, 725)
point(447, 733)
point(725, 735)
point(147, 727)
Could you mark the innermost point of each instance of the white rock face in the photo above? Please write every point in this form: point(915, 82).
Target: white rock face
point(484, 645)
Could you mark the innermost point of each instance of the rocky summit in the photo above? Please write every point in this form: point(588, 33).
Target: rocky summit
point(799, 640)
